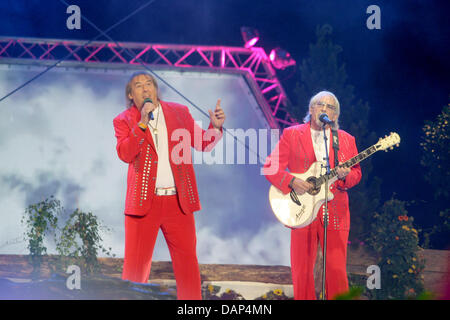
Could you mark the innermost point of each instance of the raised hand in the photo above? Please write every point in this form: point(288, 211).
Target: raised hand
point(218, 116)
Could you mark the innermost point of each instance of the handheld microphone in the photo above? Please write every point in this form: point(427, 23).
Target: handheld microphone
point(324, 119)
point(150, 114)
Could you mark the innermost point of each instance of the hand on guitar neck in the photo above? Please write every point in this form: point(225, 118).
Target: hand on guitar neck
point(342, 172)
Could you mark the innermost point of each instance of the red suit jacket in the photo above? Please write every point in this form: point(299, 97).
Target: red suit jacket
point(295, 152)
point(137, 148)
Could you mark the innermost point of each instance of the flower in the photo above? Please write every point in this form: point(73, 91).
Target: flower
point(395, 276)
point(396, 238)
point(405, 228)
point(410, 270)
point(264, 296)
point(278, 292)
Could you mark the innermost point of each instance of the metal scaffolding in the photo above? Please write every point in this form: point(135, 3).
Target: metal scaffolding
point(252, 63)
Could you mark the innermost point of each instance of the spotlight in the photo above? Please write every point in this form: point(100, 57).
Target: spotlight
point(250, 36)
point(281, 59)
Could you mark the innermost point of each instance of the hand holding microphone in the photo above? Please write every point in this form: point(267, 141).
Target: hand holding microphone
point(147, 111)
point(150, 114)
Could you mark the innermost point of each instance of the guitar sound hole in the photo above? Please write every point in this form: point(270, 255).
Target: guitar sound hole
point(316, 189)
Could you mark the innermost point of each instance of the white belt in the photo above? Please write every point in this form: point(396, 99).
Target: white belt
point(165, 191)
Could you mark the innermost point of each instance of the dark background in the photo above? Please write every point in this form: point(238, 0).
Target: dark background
point(401, 70)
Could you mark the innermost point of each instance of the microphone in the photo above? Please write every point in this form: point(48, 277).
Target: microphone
point(324, 119)
point(150, 114)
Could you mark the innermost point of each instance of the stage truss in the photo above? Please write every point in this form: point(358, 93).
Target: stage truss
point(252, 63)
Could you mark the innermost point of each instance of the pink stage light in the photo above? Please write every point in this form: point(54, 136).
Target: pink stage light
point(250, 36)
point(251, 42)
point(281, 59)
point(272, 55)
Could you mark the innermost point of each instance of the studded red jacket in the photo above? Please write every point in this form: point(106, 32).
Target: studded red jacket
point(295, 152)
point(136, 147)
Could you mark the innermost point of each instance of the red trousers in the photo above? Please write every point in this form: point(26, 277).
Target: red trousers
point(303, 257)
point(179, 231)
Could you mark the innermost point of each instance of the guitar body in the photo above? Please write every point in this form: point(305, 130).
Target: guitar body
point(296, 216)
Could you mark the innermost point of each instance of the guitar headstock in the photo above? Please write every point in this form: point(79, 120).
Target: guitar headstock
point(388, 142)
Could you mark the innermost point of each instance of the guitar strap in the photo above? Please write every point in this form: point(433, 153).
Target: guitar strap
point(335, 138)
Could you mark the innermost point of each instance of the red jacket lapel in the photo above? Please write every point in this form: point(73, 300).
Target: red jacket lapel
point(169, 118)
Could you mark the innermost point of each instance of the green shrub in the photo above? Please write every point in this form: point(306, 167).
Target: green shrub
point(395, 242)
point(78, 242)
point(40, 220)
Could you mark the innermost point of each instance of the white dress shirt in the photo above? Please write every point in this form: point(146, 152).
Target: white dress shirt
point(319, 144)
point(164, 175)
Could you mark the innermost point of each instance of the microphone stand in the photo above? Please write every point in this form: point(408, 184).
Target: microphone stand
point(325, 213)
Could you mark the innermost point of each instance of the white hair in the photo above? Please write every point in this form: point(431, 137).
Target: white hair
point(315, 99)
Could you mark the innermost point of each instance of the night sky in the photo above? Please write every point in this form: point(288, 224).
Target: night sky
point(401, 70)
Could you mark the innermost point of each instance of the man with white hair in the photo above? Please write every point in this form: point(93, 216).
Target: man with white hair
point(299, 147)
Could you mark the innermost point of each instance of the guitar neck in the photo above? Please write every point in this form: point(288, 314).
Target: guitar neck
point(349, 163)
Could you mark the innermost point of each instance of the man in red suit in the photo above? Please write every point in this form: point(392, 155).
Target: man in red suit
point(161, 184)
point(299, 147)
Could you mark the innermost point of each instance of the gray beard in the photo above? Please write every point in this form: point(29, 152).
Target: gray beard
point(317, 123)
